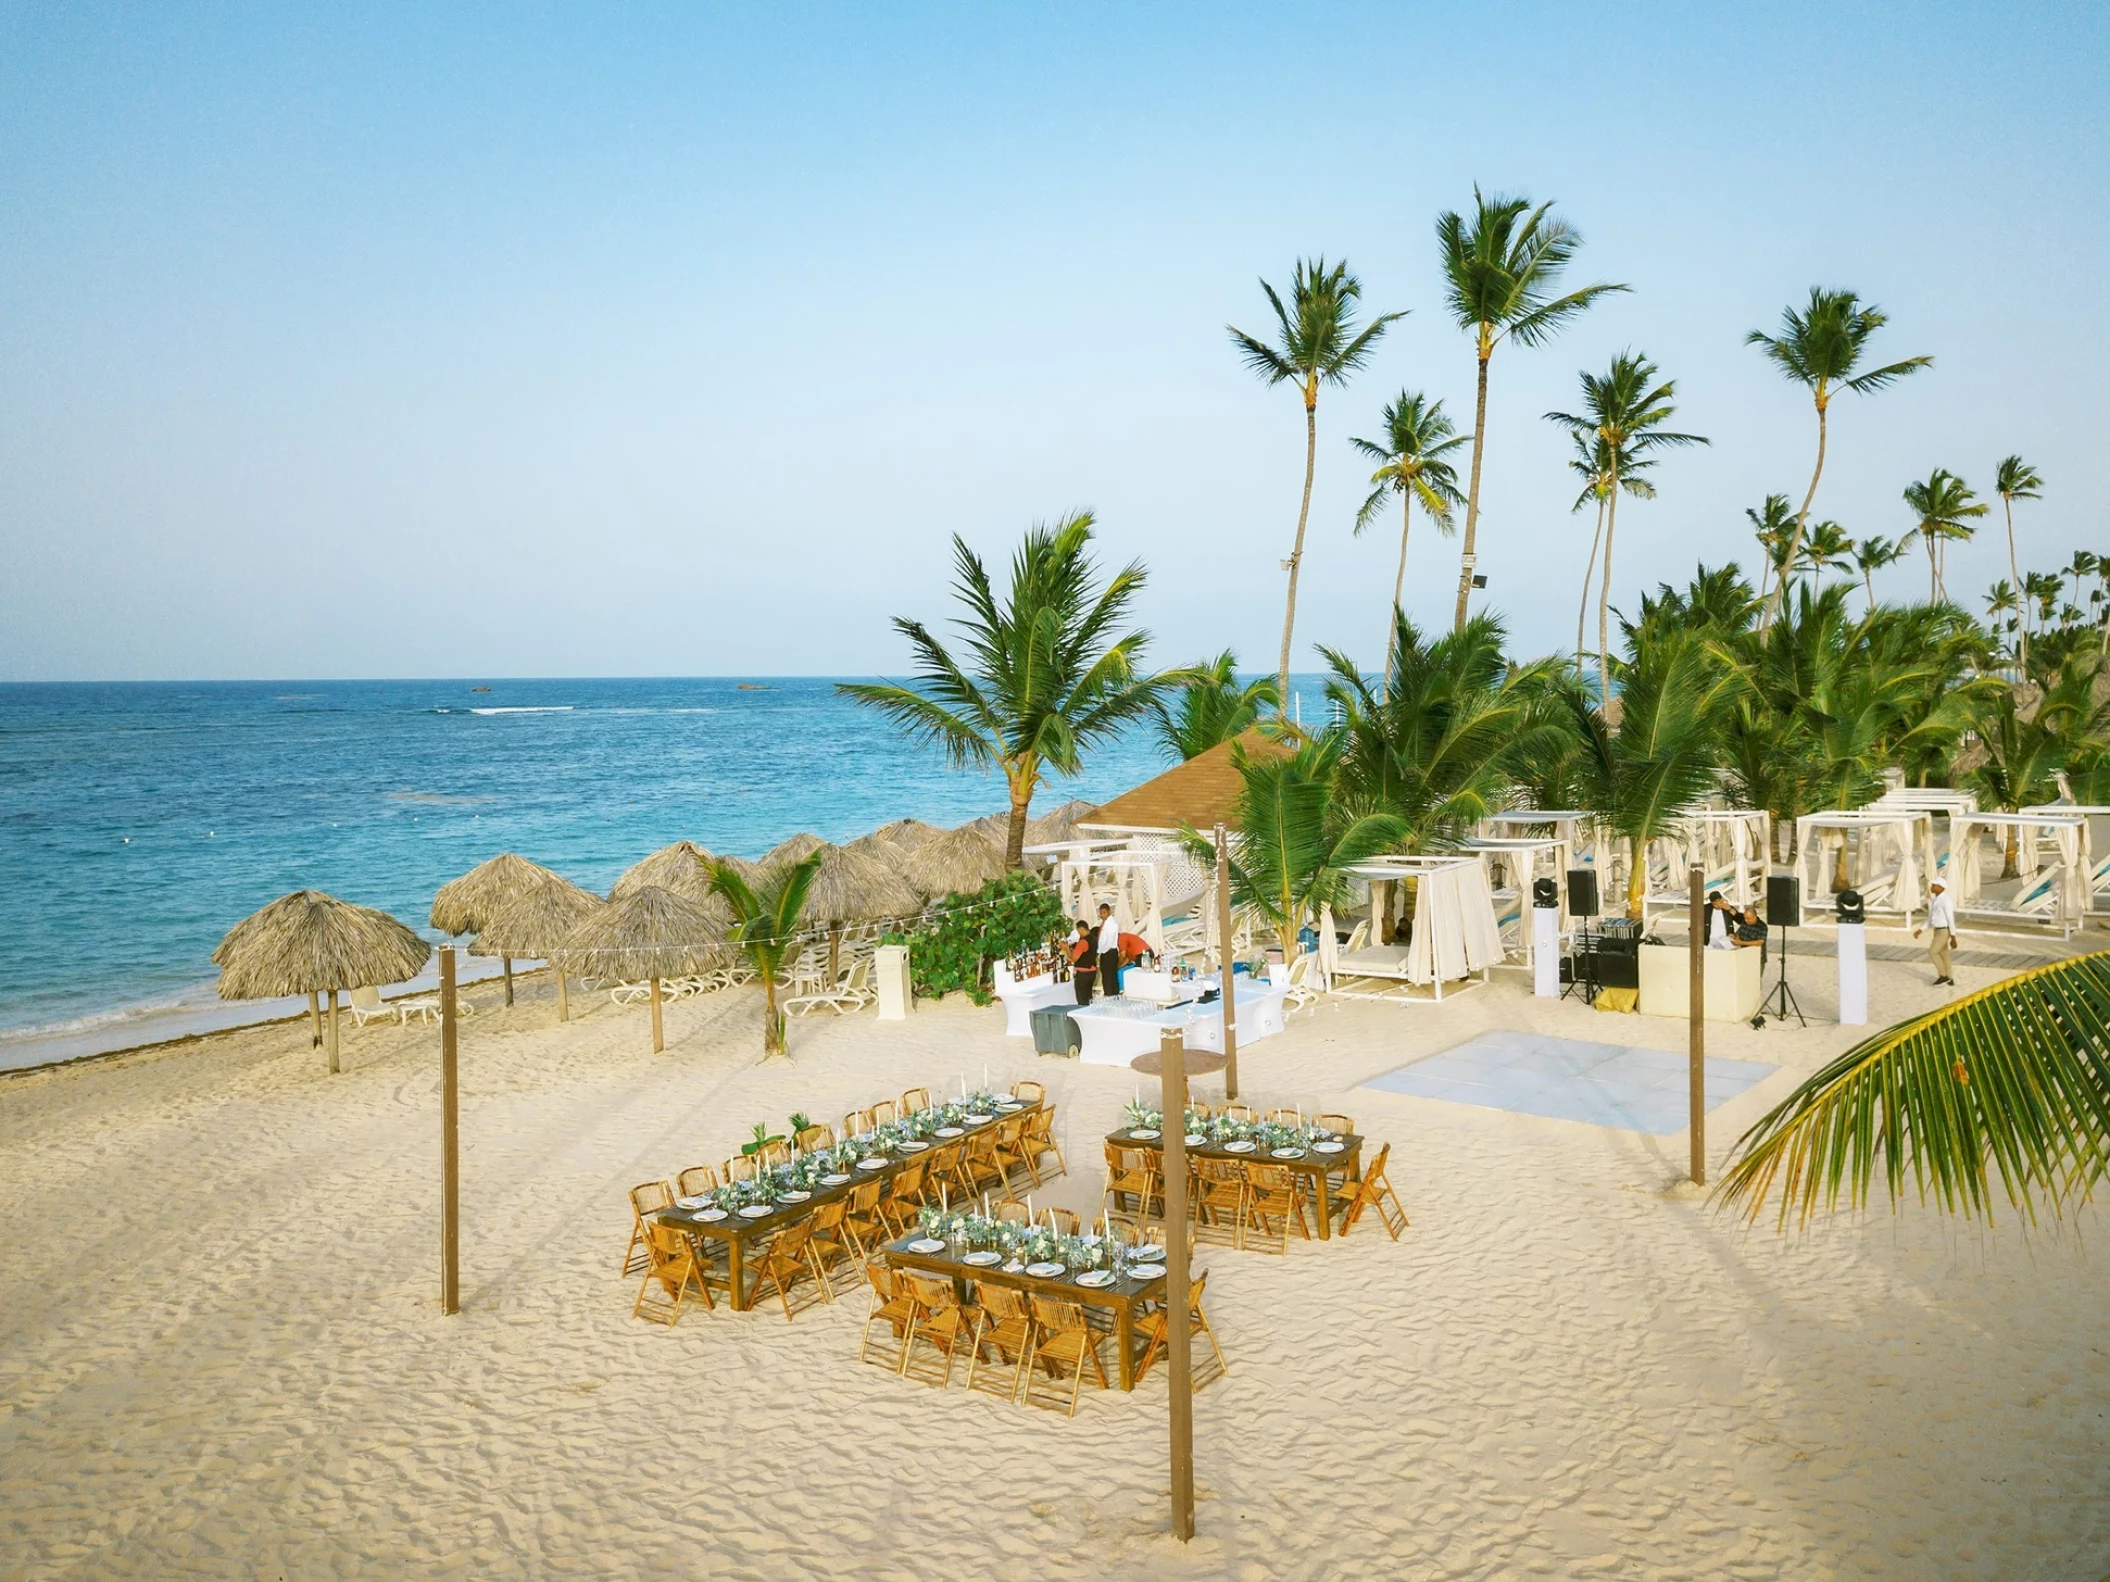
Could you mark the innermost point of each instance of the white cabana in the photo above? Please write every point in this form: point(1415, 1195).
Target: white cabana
point(1730, 844)
point(1588, 841)
point(1131, 882)
point(1887, 854)
point(2052, 856)
point(2097, 820)
point(1455, 933)
point(1944, 804)
point(1512, 863)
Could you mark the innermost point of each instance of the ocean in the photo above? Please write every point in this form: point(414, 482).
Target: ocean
point(139, 820)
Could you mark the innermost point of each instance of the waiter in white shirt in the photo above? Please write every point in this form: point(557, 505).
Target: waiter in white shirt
point(1941, 918)
point(1109, 952)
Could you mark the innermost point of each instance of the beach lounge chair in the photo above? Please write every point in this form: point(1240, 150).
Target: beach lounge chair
point(367, 1005)
point(1301, 993)
point(852, 994)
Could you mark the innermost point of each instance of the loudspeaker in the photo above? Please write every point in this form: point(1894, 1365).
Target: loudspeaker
point(1783, 899)
point(1545, 892)
point(1850, 907)
point(1582, 892)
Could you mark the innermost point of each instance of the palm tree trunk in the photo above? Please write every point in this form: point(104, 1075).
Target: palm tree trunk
point(772, 1030)
point(2010, 866)
point(1399, 588)
point(1296, 555)
point(1868, 580)
point(1015, 831)
point(1472, 495)
point(1604, 600)
point(1795, 543)
point(1589, 570)
point(2014, 571)
point(1636, 875)
point(1933, 572)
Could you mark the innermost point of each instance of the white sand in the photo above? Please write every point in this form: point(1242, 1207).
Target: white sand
point(221, 1353)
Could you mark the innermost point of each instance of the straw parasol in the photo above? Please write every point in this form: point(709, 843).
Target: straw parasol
point(1058, 824)
point(907, 833)
point(684, 868)
point(310, 943)
point(649, 933)
point(851, 885)
point(535, 923)
point(962, 859)
point(468, 903)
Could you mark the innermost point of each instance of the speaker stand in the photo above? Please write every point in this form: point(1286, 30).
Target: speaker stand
point(1782, 1000)
point(1583, 980)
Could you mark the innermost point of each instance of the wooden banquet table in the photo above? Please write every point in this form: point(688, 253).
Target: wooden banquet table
point(739, 1232)
point(1123, 1298)
point(1313, 1164)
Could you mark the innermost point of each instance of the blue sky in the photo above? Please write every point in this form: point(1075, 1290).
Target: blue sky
point(549, 341)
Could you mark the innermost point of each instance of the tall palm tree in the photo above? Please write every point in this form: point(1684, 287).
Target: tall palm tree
point(1819, 348)
point(1412, 464)
point(1592, 462)
point(2004, 1091)
point(2002, 599)
point(1946, 508)
point(1498, 268)
point(1048, 679)
point(765, 927)
point(1871, 555)
point(2082, 565)
point(2015, 479)
point(1773, 525)
point(1211, 706)
point(1628, 410)
point(1827, 547)
point(1319, 344)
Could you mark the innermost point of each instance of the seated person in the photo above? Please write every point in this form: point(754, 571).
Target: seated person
point(1750, 931)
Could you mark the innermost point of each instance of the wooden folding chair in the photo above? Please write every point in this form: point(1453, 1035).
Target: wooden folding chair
point(1012, 1212)
point(786, 1259)
point(1062, 1339)
point(1272, 1197)
point(856, 1124)
point(939, 1325)
point(1003, 1324)
point(695, 1181)
point(882, 1112)
point(979, 1167)
point(1131, 1173)
point(1012, 1156)
point(1237, 1112)
point(809, 1138)
point(915, 1101)
point(773, 1153)
point(903, 1197)
point(1066, 1222)
point(1156, 1327)
point(1217, 1190)
point(890, 1306)
point(649, 1198)
point(1339, 1124)
point(741, 1167)
point(831, 1242)
point(671, 1276)
point(1373, 1188)
point(1040, 1141)
point(863, 1223)
point(1029, 1092)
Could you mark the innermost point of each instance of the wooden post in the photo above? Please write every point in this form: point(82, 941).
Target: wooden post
point(314, 1020)
point(507, 961)
point(1696, 1025)
point(1179, 1361)
point(1224, 964)
point(450, 1146)
point(659, 1041)
point(563, 1004)
point(333, 1032)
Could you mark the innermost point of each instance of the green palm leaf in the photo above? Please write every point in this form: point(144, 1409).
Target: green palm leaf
point(2005, 1092)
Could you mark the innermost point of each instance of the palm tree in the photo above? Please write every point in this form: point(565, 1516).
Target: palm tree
point(1827, 548)
point(1773, 525)
point(2025, 748)
point(1592, 462)
point(1049, 678)
point(1211, 706)
point(1319, 345)
point(2015, 479)
point(2082, 565)
point(1293, 846)
point(2003, 1090)
point(1626, 409)
point(765, 927)
point(1871, 555)
point(1411, 464)
point(1498, 268)
point(1946, 508)
point(2002, 599)
point(1819, 348)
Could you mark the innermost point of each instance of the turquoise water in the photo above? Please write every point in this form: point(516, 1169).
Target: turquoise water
point(138, 821)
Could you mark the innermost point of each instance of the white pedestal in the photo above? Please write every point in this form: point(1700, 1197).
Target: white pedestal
point(1853, 975)
point(890, 973)
point(1546, 952)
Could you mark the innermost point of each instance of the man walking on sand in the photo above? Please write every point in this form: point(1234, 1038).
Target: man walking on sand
point(1941, 918)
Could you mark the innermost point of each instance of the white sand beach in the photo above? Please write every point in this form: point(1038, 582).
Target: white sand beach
point(222, 1353)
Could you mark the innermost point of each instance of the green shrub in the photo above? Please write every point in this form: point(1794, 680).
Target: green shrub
point(953, 948)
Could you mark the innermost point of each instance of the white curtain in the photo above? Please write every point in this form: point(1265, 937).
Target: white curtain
point(1966, 879)
point(1329, 961)
point(1455, 932)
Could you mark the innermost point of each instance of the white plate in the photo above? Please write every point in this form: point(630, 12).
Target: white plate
point(1045, 1271)
point(927, 1244)
point(950, 1131)
point(871, 1164)
point(1143, 1134)
point(914, 1148)
point(1329, 1148)
point(1004, 1098)
point(834, 1180)
point(1195, 1139)
point(980, 1120)
point(797, 1197)
point(1095, 1278)
point(1287, 1153)
point(1147, 1271)
point(983, 1259)
point(1244, 1145)
point(1014, 1267)
point(691, 1203)
point(712, 1214)
point(1146, 1255)
point(756, 1211)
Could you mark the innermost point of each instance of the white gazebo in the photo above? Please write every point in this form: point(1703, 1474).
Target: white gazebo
point(1512, 863)
point(2052, 856)
point(2097, 819)
point(1731, 845)
point(1131, 882)
point(1887, 854)
point(1455, 934)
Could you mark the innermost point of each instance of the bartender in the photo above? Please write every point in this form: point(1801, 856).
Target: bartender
point(1083, 950)
point(1109, 952)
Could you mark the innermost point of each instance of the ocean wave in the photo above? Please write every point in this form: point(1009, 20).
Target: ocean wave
point(527, 708)
point(655, 711)
point(99, 1020)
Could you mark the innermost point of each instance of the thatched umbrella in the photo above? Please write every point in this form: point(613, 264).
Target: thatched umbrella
point(1057, 824)
point(684, 868)
point(907, 833)
point(648, 933)
point(535, 923)
point(470, 902)
point(850, 886)
point(310, 943)
point(223, 953)
point(962, 859)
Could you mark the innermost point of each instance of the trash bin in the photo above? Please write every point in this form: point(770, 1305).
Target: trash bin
point(1055, 1031)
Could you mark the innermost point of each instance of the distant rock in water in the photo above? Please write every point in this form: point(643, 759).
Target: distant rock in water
point(751, 686)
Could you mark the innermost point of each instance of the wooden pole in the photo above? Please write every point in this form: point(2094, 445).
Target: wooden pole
point(1696, 1025)
point(508, 963)
point(450, 1145)
point(1179, 1361)
point(563, 1003)
point(333, 1032)
point(314, 1020)
point(1224, 963)
point(659, 1041)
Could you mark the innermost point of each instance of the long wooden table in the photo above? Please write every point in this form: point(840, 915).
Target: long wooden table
point(1124, 1297)
point(1315, 1165)
point(738, 1233)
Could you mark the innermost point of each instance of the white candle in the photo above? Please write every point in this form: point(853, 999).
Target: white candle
point(943, 1202)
